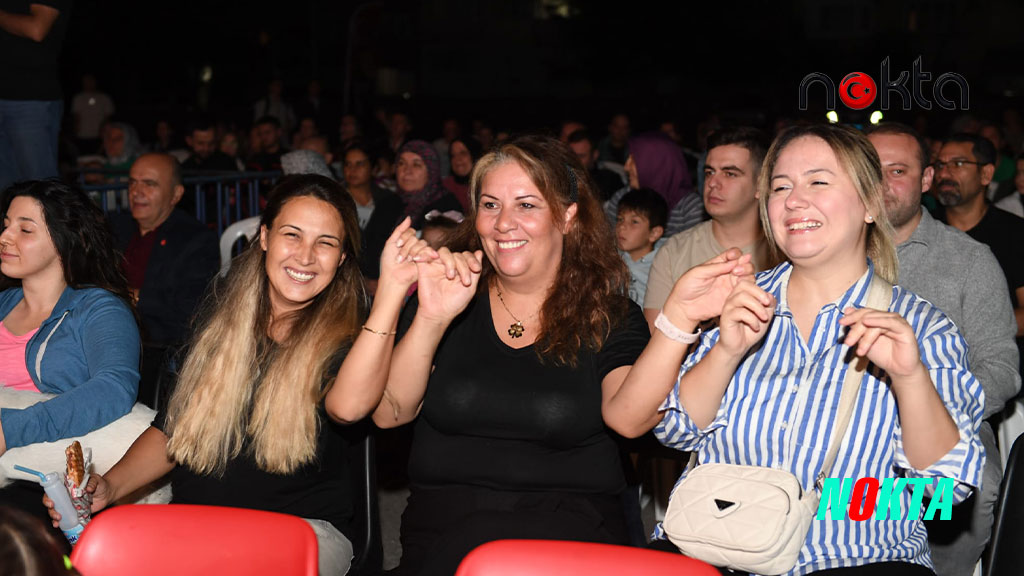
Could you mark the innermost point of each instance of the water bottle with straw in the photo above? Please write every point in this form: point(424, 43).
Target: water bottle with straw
point(53, 484)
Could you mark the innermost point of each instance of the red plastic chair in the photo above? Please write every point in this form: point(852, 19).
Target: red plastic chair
point(551, 558)
point(176, 539)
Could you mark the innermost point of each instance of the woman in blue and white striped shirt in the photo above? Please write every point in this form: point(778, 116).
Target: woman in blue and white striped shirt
point(762, 389)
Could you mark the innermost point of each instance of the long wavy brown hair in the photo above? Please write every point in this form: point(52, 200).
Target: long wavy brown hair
point(237, 384)
point(586, 300)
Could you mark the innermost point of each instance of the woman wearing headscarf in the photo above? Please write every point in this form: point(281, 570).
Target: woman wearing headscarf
point(120, 148)
point(418, 174)
point(464, 153)
point(656, 162)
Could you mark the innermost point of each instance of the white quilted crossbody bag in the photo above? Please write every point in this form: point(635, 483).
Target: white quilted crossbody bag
point(753, 518)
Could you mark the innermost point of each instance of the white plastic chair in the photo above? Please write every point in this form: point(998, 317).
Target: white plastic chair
point(246, 228)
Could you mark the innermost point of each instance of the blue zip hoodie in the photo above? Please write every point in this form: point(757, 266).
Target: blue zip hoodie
point(86, 352)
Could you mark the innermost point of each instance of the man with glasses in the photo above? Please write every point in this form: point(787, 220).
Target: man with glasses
point(962, 278)
point(963, 171)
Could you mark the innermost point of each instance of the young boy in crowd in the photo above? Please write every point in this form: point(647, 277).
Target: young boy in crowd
point(639, 226)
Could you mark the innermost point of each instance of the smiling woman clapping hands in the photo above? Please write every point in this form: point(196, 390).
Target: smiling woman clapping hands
point(763, 388)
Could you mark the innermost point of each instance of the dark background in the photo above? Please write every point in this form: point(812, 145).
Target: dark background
point(520, 64)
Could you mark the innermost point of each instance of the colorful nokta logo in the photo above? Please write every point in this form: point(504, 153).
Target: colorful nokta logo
point(867, 498)
point(859, 90)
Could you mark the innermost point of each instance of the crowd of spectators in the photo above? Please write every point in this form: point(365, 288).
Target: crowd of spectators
point(667, 207)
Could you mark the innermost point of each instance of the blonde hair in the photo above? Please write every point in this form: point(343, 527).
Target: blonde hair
point(235, 384)
point(858, 158)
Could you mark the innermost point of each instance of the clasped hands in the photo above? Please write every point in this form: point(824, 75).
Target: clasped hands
point(446, 280)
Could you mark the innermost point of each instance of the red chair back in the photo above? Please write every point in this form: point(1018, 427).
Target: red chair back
point(556, 558)
point(175, 539)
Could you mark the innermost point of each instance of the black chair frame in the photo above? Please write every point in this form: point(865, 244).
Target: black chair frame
point(1006, 547)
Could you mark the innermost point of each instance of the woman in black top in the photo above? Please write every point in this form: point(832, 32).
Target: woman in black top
point(282, 349)
point(526, 373)
point(379, 210)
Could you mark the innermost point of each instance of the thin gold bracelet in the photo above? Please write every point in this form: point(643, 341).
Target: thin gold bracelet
point(385, 334)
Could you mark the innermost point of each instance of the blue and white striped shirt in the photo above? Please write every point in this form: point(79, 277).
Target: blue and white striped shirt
point(780, 408)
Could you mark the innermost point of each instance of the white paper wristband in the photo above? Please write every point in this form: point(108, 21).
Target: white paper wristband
point(669, 329)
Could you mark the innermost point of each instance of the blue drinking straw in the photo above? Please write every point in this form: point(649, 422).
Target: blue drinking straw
point(42, 477)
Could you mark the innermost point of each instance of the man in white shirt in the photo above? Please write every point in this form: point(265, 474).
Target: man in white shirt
point(91, 108)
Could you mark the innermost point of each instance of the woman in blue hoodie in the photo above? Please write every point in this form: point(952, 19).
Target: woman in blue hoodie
point(66, 321)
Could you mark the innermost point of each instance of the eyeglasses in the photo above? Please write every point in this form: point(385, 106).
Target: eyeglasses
point(955, 164)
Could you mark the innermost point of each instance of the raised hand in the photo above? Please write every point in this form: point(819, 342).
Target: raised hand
point(745, 318)
point(101, 496)
point(447, 284)
point(701, 293)
point(398, 259)
point(463, 266)
point(884, 338)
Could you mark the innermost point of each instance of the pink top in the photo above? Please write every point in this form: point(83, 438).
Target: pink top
point(13, 372)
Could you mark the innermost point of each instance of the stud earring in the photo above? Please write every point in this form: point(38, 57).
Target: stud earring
point(870, 219)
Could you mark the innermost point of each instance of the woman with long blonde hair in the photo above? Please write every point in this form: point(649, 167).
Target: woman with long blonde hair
point(285, 351)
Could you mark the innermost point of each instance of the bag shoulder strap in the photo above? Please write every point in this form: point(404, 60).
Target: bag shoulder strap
point(879, 297)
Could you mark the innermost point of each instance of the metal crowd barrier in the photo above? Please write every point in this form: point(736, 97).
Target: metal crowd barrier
point(221, 198)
